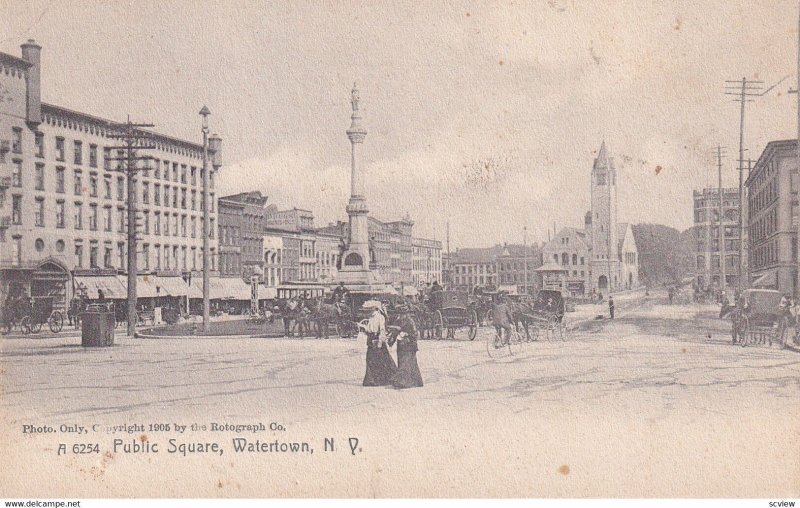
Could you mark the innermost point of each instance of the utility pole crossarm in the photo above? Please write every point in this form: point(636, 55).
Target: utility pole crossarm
point(133, 141)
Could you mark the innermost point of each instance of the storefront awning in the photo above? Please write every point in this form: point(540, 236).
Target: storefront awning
point(171, 286)
point(146, 287)
point(111, 285)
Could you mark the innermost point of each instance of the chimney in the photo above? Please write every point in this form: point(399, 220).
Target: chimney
point(215, 148)
point(31, 53)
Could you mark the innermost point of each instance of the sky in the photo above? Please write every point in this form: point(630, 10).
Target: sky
point(486, 115)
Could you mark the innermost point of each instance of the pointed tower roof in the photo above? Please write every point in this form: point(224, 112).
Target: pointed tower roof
point(602, 154)
point(603, 160)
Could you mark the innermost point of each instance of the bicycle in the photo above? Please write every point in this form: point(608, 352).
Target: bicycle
point(501, 345)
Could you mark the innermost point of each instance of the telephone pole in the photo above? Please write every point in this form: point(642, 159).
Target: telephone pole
point(742, 89)
point(133, 139)
point(721, 232)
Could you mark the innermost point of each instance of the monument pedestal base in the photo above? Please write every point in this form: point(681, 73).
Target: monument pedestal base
point(363, 280)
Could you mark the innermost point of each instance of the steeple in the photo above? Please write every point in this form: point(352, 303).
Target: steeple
point(602, 160)
point(602, 153)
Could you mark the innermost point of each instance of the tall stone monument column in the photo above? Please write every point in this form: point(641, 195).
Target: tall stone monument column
point(356, 258)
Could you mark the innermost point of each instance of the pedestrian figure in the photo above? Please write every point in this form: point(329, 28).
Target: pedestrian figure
point(380, 364)
point(502, 317)
point(611, 306)
point(405, 334)
point(288, 315)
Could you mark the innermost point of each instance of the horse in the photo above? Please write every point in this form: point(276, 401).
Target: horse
point(76, 307)
point(302, 318)
point(521, 310)
point(322, 314)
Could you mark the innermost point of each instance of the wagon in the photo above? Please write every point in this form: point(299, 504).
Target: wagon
point(451, 310)
point(759, 318)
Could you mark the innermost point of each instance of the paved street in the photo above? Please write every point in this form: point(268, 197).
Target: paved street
point(611, 408)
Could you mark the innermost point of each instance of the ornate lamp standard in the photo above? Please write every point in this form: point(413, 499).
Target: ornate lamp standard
point(206, 210)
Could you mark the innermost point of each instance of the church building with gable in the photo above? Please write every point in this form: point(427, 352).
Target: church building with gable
point(600, 258)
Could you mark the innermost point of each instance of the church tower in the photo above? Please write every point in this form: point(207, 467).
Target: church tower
point(605, 258)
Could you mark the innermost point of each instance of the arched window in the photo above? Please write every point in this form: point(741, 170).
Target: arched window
point(574, 259)
point(564, 258)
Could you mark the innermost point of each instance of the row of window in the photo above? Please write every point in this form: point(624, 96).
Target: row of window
point(731, 262)
point(179, 172)
point(179, 223)
point(765, 196)
point(765, 226)
point(565, 259)
point(178, 196)
point(764, 255)
point(494, 268)
point(730, 214)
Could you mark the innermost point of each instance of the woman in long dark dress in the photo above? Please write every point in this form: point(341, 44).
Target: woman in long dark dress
point(380, 365)
point(408, 374)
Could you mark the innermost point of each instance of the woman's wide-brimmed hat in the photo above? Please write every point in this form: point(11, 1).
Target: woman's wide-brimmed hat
point(372, 304)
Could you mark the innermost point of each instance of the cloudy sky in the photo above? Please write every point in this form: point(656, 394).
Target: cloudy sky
point(486, 114)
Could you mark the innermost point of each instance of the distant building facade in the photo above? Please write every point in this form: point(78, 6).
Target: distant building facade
point(570, 251)
point(426, 261)
point(772, 217)
point(394, 250)
point(708, 248)
point(500, 266)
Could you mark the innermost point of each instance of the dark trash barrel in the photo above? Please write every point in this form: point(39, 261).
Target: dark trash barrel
point(97, 326)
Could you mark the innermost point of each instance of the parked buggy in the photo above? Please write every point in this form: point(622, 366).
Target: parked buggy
point(29, 315)
point(760, 318)
point(451, 310)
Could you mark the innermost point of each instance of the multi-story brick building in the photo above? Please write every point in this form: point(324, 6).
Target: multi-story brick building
point(772, 217)
point(497, 266)
point(63, 196)
point(427, 261)
point(289, 245)
point(242, 219)
point(709, 247)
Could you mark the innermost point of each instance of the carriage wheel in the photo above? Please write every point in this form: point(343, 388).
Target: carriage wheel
point(734, 327)
point(56, 321)
point(438, 324)
point(25, 325)
point(473, 325)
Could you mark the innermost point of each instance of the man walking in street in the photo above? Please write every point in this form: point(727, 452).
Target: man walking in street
point(611, 306)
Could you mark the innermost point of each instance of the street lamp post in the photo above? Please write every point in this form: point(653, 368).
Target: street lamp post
point(206, 210)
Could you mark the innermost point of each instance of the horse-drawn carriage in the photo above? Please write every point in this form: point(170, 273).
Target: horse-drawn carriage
point(30, 314)
point(548, 314)
point(451, 310)
point(760, 318)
